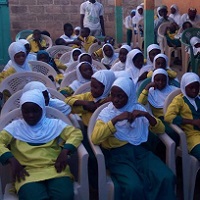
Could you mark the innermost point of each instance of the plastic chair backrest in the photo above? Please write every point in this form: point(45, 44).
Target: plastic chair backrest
point(98, 65)
point(65, 57)
point(23, 34)
point(68, 79)
point(83, 88)
point(13, 102)
point(188, 34)
point(162, 28)
point(42, 67)
point(58, 50)
point(17, 81)
point(71, 67)
point(94, 47)
point(48, 40)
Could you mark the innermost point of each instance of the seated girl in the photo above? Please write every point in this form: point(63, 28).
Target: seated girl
point(38, 162)
point(134, 66)
point(161, 61)
point(19, 61)
point(109, 55)
point(49, 101)
point(84, 73)
point(152, 51)
point(73, 56)
point(120, 65)
point(155, 94)
point(184, 111)
point(122, 130)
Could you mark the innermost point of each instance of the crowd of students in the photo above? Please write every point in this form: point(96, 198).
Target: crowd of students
point(123, 129)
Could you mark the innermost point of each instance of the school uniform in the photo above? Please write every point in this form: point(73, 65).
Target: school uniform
point(136, 172)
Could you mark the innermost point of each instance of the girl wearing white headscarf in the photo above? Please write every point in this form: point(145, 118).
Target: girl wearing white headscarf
point(13, 66)
point(36, 152)
point(125, 130)
point(137, 73)
point(53, 102)
point(195, 43)
point(120, 65)
point(72, 60)
point(108, 61)
point(151, 49)
point(88, 102)
point(138, 16)
point(184, 111)
point(172, 74)
point(71, 88)
point(175, 15)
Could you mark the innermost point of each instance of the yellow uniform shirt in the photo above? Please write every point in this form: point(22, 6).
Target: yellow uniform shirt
point(172, 74)
point(39, 160)
point(34, 45)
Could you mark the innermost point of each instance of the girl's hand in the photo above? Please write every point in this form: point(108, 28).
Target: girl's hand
point(148, 86)
point(18, 171)
point(61, 161)
point(123, 116)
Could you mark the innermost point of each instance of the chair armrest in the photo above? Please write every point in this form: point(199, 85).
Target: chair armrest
point(170, 151)
point(83, 171)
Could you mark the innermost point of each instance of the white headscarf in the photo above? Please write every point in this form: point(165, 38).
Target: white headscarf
point(54, 103)
point(150, 48)
point(44, 131)
point(136, 132)
point(160, 55)
point(131, 68)
point(187, 79)
point(106, 60)
point(157, 97)
point(158, 14)
point(80, 80)
point(137, 16)
point(106, 77)
point(193, 41)
point(119, 66)
point(71, 60)
point(176, 17)
point(14, 48)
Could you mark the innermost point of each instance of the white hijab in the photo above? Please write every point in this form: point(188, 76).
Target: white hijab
point(161, 55)
point(54, 103)
point(149, 49)
point(157, 97)
point(80, 80)
point(131, 68)
point(71, 60)
point(187, 79)
point(119, 66)
point(137, 16)
point(176, 17)
point(106, 77)
point(44, 131)
point(193, 41)
point(136, 132)
point(14, 48)
point(107, 60)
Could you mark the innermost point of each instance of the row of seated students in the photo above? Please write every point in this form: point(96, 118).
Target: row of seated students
point(133, 60)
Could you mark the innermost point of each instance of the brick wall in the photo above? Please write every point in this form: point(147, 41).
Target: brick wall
point(52, 14)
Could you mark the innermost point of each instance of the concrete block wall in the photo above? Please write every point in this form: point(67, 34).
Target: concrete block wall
point(51, 15)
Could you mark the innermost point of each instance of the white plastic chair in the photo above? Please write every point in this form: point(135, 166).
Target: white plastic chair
point(48, 40)
point(71, 67)
point(190, 165)
point(94, 47)
point(68, 79)
point(42, 67)
point(65, 57)
point(81, 186)
point(83, 88)
point(58, 50)
point(105, 184)
point(17, 81)
point(163, 42)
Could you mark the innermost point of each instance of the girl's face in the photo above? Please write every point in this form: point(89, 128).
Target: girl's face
point(32, 113)
point(20, 58)
point(138, 60)
point(192, 90)
point(160, 63)
point(197, 45)
point(173, 10)
point(43, 58)
point(153, 53)
point(46, 97)
point(161, 81)
point(86, 58)
point(97, 88)
point(122, 55)
point(76, 54)
point(108, 51)
point(118, 97)
point(86, 71)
